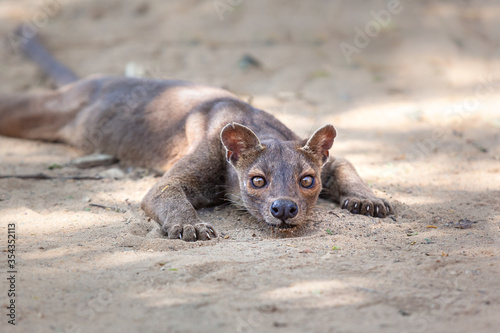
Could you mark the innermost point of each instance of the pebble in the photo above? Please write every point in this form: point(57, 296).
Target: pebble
point(93, 160)
point(115, 173)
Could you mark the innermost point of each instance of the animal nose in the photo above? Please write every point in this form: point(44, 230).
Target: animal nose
point(284, 209)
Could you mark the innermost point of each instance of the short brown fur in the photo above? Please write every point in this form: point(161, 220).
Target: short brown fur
point(209, 144)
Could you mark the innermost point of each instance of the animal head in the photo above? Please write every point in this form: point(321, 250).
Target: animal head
point(279, 181)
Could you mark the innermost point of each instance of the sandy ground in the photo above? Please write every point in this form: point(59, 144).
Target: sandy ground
point(416, 108)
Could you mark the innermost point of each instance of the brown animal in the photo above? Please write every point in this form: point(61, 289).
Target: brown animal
point(211, 146)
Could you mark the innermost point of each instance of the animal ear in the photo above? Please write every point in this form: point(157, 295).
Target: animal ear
point(321, 141)
point(238, 140)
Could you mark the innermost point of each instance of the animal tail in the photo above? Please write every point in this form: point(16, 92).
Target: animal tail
point(33, 48)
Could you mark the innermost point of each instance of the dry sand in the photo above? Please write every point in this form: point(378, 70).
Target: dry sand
point(416, 110)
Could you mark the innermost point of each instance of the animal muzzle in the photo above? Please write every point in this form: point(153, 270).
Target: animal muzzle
point(284, 210)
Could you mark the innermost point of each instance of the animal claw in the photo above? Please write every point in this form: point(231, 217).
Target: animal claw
point(346, 202)
point(208, 236)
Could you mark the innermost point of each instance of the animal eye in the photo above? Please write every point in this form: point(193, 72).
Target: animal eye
point(258, 182)
point(307, 181)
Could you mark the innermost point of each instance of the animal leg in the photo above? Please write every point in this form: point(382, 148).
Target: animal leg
point(342, 184)
point(195, 181)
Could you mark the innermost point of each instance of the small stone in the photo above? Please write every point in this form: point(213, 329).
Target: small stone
point(404, 313)
point(248, 61)
point(115, 173)
point(93, 160)
point(268, 308)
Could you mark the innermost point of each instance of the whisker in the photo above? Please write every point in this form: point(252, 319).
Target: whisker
point(233, 195)
point(240, 207)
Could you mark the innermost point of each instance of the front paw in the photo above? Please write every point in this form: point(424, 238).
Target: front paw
point(190, 232)
point(372, 206)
